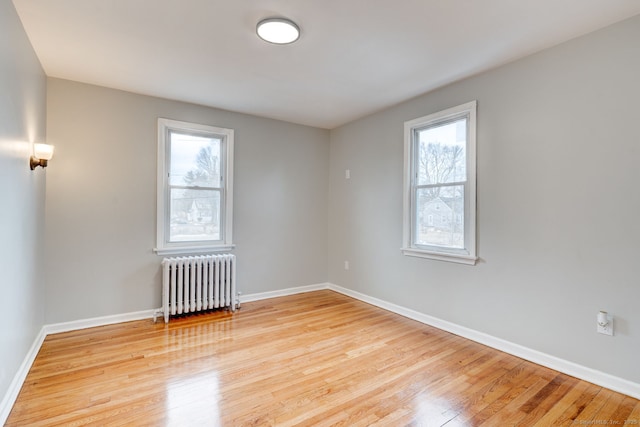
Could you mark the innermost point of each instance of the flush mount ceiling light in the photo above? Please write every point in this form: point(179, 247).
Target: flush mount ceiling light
point(278, 30)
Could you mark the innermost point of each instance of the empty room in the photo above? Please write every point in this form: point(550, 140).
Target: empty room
point(358, 213)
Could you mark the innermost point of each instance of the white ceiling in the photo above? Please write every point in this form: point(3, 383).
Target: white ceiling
point(354, 57)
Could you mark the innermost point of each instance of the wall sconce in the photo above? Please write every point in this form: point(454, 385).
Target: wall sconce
point(42, 153)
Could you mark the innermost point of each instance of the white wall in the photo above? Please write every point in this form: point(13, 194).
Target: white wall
point(558, 203)
point(101, 200)
point(22, 122)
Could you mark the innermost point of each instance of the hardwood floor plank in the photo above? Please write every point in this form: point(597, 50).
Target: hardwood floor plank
point(607, 412)
point(547, 398)
point(560, 413)
point(634, 417)
point(314, 359)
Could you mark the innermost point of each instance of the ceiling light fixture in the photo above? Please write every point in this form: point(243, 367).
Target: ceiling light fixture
point(278, 30)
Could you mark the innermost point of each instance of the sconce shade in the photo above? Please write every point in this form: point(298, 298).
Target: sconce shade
point(43, 151)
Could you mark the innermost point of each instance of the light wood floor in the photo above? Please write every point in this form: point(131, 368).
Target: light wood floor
point(314, 359)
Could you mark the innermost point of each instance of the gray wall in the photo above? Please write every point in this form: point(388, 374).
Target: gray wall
point(558, 202)
point(101, 200)
point(22, 122)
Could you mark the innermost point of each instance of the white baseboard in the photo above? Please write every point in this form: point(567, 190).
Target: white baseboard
point(16, 384)
point(602, 379)
point(283, 292)
point(582, 372)
point(56, 328)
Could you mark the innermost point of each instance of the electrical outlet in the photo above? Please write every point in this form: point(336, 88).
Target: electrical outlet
point(605, 323)
point(347, 174)
point(346, 265)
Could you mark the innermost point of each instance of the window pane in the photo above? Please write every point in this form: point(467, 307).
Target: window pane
point(441, 153)
point(439, 217)
point(195, 160)
point(195, 215)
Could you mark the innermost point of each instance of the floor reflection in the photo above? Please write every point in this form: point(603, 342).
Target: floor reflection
point(430, 411)
point(193, 401)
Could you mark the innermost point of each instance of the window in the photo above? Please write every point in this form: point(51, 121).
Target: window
point(440, 177)
point(195, 183)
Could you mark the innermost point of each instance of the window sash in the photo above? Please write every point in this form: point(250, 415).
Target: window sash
point(170, 132)
point(415, 226)
point(221, 220)
point(220, 212)
point(413, 128)
point(415, 187)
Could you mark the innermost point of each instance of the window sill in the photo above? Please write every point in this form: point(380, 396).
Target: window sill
point(440, 256)
point(192, 250)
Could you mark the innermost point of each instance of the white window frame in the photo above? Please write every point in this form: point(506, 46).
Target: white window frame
point(468, 255)
point(163, 246)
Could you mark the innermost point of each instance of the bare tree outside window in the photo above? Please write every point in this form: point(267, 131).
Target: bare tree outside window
point(207, 170)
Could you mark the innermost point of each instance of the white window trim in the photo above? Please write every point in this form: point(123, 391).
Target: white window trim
point(469, 255)
point(162, 246)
